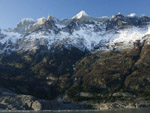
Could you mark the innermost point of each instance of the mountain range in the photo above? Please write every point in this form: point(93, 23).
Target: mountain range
point(76, 63)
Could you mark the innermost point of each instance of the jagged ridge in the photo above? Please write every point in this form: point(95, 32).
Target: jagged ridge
point(85, 33)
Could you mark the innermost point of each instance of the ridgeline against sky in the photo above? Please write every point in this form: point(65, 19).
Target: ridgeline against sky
point(12, 11)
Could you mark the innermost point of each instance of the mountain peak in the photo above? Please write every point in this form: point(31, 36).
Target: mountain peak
point(26, 20)
point(80, 15)
point(132, 15)
point(41, 21)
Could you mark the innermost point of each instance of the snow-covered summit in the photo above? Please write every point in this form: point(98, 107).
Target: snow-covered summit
point(132, 15)
point(41, 21)
point(80, 15)
point(27, 20)
point(24, 25)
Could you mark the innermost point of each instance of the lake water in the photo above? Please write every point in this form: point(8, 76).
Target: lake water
point(109, 111)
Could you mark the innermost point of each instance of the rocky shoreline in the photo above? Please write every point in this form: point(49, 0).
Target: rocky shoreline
point(12, 101)
point(123, 105)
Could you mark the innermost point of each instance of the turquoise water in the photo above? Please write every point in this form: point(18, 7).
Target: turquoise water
point(108, 111)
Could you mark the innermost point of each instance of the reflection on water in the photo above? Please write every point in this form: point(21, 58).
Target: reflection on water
point(108, 111)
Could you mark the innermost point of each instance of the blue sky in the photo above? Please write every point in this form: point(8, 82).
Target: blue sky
point(12, 11)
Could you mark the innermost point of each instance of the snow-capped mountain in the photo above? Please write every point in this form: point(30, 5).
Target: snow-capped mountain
point(82, 59)
point(81, 31)
point(80, 15)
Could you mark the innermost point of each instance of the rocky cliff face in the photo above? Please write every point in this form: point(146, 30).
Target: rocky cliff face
point(83, 59)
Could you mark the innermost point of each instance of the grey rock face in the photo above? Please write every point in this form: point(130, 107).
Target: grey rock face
point(85, 94)
point(36, 106)
point(12, 101)
point(122, 105)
